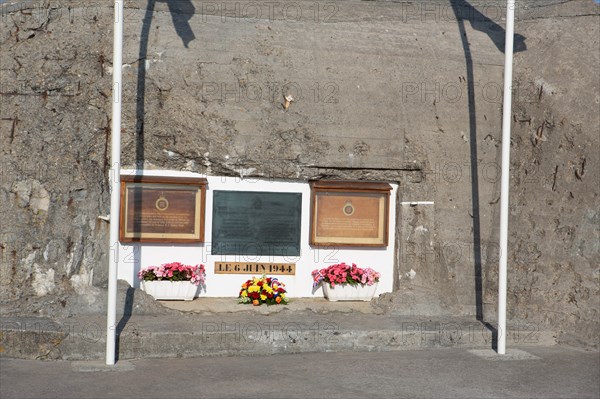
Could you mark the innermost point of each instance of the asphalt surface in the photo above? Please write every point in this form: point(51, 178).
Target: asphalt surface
point(540, 372)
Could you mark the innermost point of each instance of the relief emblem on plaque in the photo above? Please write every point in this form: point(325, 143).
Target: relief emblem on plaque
point(162, 204)
point(348, 208)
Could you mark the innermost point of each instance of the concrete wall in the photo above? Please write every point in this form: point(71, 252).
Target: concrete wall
point(399, 92)
point(554, 244)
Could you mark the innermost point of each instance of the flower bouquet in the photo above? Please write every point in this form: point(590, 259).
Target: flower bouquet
point(263, 290)
point(173, 280)
point(346, 283)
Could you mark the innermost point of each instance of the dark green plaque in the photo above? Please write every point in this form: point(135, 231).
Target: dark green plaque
point(256, 223)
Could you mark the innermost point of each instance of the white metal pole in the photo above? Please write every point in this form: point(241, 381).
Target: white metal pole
point(504, 182)
point(115, 171)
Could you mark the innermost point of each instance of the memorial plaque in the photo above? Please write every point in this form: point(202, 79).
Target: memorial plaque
point(256, 223)
point(349, 213)
point(162, 209)
point(254, 268)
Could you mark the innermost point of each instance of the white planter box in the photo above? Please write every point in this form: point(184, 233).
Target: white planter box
point(170, 290)
point(346, 292)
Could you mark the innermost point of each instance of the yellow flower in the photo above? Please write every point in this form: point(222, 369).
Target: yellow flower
point(253, 288)
point(263, 297)
point(268, 289)
point(244, 294)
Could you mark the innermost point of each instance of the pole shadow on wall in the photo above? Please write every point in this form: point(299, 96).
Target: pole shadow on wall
point(181, 12)
point(464, 11)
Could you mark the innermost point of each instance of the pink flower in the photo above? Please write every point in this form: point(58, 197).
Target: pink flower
point(177, 270)
point(343, 273)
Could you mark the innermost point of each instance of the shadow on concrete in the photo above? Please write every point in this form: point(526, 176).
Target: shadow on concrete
point(466, 12)
point(127, 310)
point(181, 12)
point(494, 332)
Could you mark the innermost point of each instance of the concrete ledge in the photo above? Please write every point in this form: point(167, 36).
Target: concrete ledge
point(230, 305)
point(248, 333)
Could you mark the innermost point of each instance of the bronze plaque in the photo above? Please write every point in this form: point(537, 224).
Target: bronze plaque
point(254, 268)
point(162, 209)
point(349, 213)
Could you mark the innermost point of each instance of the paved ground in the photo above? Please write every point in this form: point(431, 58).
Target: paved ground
point(539, 372)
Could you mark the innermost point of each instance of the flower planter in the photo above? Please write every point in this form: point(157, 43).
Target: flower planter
point(170, 290)
point(347, 292)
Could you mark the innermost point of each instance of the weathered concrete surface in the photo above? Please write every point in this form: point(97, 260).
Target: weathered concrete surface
point(222, 327)
point(230, 305)
point(554, 260)
point(384, 91)
point(130, 300)
point(455, 373)
point(251, 333)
